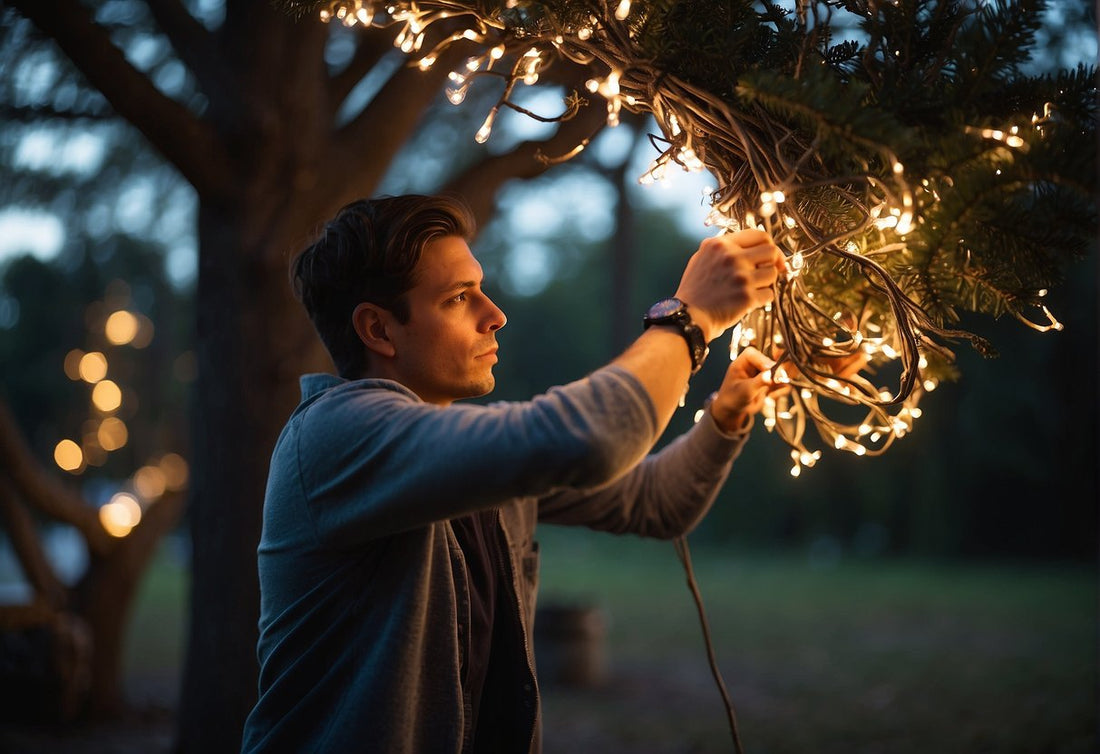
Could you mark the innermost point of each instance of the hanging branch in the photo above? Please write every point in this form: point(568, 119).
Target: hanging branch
point(892, 167)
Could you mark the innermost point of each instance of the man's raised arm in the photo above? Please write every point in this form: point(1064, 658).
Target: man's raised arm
point(726, 278)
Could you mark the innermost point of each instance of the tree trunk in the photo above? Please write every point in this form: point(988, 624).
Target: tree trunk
point(105, 599)
point(253, 341)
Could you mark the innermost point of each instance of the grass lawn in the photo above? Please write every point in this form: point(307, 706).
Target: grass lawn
point(860, 656)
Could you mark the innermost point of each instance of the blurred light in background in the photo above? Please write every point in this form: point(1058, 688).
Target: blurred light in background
point(120, 514)
point(175, 471)
point(150, 482)
point(68, 456)
point(106, 396)
point(92, 367)
point(121, 327)
point(112, 434)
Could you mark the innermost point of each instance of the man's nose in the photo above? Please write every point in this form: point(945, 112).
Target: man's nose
point(495, 318)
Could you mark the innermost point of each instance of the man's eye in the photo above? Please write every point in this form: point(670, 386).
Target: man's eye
point(459, 297)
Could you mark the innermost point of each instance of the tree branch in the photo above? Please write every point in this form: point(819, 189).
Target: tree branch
point(479, 184)
point(390, 118)
point(28, 548)
point(192, 42)
point(107, 592)
point(184, 139)
point(36, 113)
point(42, 490)
point(372, 47)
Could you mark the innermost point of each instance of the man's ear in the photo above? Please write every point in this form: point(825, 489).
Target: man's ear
point(369, 321)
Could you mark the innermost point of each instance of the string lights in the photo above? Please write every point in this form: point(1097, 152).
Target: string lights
point(105, 432)
point(850, 326)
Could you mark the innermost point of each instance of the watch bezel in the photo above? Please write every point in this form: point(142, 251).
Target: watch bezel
point(673, 311)
point(665, 309)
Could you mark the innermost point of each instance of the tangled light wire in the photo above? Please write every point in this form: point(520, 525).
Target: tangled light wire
point(770, 175)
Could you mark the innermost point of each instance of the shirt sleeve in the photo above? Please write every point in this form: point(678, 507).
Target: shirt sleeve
point(664, 496)
point(373, 462)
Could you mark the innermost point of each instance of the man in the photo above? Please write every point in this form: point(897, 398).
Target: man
point(398, 565)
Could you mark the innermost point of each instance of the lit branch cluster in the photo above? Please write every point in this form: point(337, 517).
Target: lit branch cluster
point(894, 208)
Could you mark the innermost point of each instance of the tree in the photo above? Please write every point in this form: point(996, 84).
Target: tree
point(63, 650)
point(271, 132)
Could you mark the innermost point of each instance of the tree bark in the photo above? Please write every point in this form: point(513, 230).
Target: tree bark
point(105, 598)
point(254, 340)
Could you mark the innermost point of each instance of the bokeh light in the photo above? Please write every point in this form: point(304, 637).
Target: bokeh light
point(94, 454)
point(175, 471)
point(120, 515)
point(150, 482)
point(92, 367)
point(72, 364)
point(106, 396)
point(112, 433)
point(68, 456)
point(144, 334)
point(121, 327)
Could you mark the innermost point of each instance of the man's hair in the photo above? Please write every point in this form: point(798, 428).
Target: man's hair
point(368, 253)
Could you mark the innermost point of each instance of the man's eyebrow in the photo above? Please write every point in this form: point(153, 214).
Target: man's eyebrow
point(460, 285)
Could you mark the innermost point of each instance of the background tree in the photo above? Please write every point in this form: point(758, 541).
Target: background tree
point(63, 649)
point(274, 123)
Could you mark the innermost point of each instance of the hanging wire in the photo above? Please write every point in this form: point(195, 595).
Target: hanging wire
point(685, 558)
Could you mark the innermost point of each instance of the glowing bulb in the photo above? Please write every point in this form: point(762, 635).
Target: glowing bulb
point(106, 396)
point(121, 327)
point(68, 456)
point(112, 434)
point(120, 515)
point(482, 134)
point(623, 10)
point(92, 367)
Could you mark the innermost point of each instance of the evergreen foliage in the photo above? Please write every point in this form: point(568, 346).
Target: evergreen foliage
point(923, 172)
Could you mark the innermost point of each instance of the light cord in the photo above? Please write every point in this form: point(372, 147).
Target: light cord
point(685, 558)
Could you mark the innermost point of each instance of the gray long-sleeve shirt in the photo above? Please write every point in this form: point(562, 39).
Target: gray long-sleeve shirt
point(364, 597)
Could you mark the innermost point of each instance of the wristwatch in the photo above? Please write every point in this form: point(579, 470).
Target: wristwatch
point(674, 312)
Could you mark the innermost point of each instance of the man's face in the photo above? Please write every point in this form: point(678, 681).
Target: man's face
point(447, 349)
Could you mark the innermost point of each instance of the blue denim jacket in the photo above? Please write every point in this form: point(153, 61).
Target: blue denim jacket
point(364, 601)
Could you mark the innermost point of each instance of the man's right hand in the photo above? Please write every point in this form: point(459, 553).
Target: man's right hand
point(729, 276)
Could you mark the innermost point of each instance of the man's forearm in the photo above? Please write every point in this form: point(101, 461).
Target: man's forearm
point(659, 359)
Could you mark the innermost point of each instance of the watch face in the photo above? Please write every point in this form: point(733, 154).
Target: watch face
point(664, 308)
